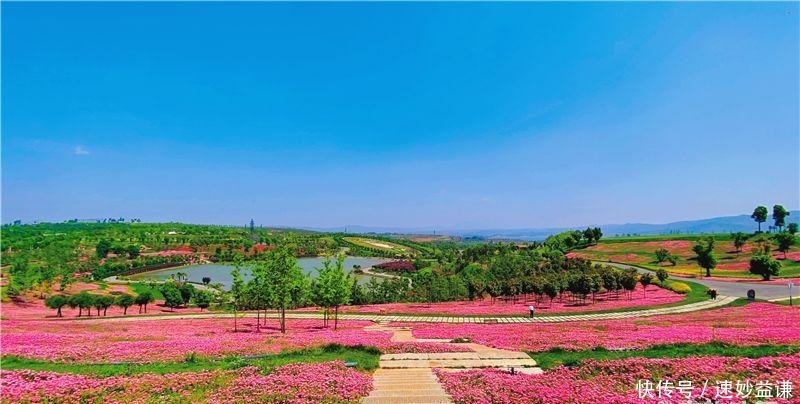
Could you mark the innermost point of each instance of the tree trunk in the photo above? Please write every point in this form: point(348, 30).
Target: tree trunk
point(80, 311)
point(124, 311)
point(336, 318)
point(59, 311)
point(283, 320)
point(235, 329)
point(708, 271)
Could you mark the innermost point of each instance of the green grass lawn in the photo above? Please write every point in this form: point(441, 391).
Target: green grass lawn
point(557, 356)
point(140, 288)
point(366, 358)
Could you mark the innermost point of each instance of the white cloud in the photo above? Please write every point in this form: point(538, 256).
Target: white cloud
point(80, 151)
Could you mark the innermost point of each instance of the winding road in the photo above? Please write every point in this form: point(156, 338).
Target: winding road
point(726, 288)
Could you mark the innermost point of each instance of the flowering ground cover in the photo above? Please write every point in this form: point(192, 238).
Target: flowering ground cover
point(616, 381)
point(297, 383)
point(486, 307)
point(752, 324)
point(172, 339)
point(731, 263)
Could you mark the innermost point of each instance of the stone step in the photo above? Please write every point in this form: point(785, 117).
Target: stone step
point(405, 385)
point(444, 363)
point(407, 393)
point(425, 379)
point(404, 382)
point(434, 399)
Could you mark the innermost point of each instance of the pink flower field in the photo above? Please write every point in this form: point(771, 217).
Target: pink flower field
point(615, 381)
point(296, 383)
point(604, 301)
point(753, 324)
point(166, 340)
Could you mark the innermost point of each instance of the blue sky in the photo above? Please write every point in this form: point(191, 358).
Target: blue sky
point(440, 115)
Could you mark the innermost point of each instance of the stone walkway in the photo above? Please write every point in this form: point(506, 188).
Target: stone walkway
point(405, 318)
point(409, 318)
point(408, 377)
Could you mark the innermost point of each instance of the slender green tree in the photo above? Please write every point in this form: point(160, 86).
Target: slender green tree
point(237, 293)
point(791, 228)
point(288, 284)
point(760, 216)
point(332, 287)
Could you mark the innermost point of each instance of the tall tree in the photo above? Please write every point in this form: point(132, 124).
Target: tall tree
point(760, 216)
point(779, 214)
point(332, 287)
point(288, 284)
point(705, 254)
point(237, 293)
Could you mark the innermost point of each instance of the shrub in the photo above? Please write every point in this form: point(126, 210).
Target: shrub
point(678, 287)
point(765, 266)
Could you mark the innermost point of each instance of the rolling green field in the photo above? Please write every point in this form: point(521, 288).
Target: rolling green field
point(380, 245)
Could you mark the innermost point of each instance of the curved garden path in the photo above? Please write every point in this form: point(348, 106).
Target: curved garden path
point(727, 288)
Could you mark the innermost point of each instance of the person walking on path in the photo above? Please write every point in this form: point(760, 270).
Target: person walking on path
point(531, 310)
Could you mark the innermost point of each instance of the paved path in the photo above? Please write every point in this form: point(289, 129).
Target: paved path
point(727, 288)
point(408, 318)
point(408, 377)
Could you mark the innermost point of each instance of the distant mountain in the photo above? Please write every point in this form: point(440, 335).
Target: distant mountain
point(724, 224)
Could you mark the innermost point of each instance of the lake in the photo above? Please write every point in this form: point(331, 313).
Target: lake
point(222, 272)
